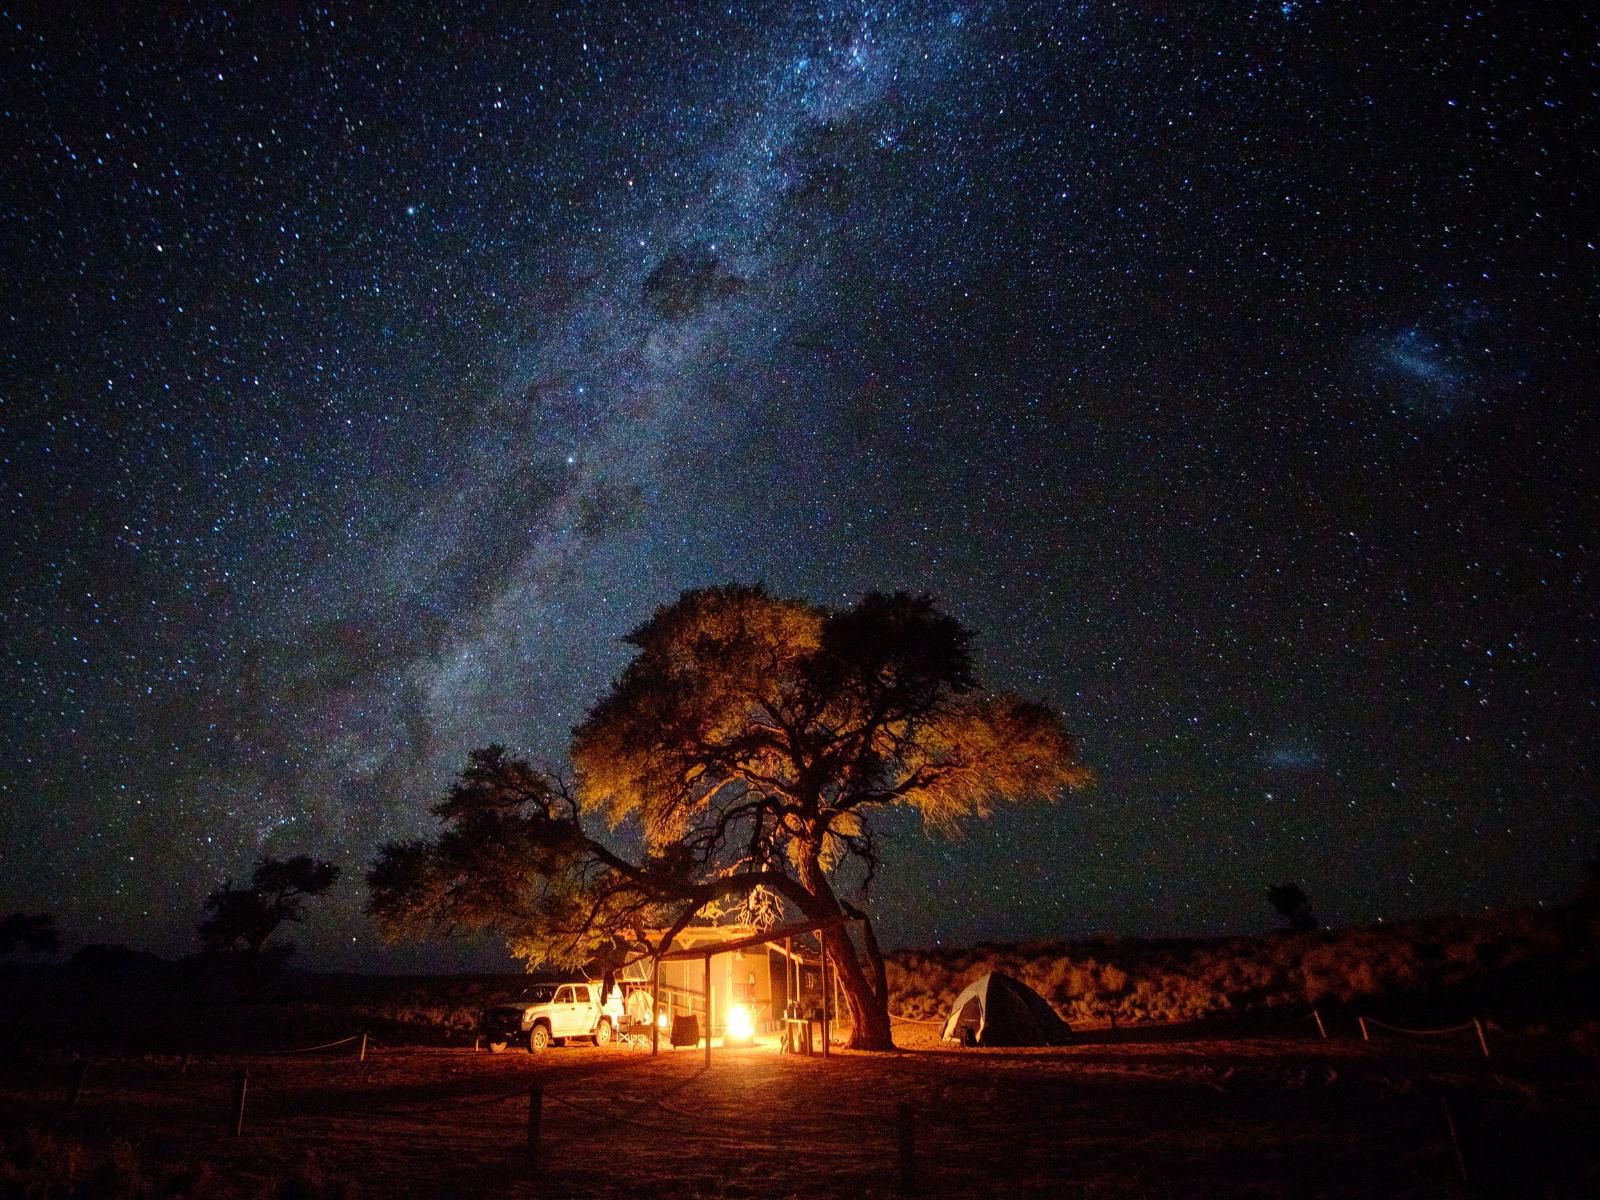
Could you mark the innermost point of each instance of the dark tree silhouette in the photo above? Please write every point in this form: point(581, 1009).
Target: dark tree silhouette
point(1293, 905)
point(36, 934)
point(753, 740)
point(242, 919)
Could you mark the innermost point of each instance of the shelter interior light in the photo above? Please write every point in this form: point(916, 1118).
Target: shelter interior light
point(661, 1021)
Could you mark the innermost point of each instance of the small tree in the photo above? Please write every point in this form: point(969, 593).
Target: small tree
point(243, 919)
point(753, 741)
point(1293, 905)
point(35, 934)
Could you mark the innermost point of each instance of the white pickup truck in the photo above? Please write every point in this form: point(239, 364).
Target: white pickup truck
point(552, 1013)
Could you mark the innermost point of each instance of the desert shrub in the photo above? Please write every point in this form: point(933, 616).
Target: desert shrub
point(1185, 980)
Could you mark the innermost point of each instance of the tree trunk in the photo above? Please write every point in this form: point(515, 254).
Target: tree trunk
point(869, 1008)
point(868, 1005)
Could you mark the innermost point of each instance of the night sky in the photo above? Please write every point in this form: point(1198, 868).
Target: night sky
point(364, 376)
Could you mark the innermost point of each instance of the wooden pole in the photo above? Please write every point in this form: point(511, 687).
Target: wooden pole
point(80, 1073)
point(1483, 1040)
point(1455, 1138)
point(241, 1088)
point(708, 1009)
point(655, 1005)
point(1321, 1028)
point(905, 1139)
point(535, 1121)
point(822, 940)
point(1366, 1034)
point(363, 1057)
point(791, 998)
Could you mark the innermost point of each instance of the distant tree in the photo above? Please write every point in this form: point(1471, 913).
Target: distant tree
point(36, 934)
point(754, 740)
point(240, 920)
point(1293, 905)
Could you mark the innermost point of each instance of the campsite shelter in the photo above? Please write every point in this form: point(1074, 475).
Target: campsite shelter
point(761, 977)
point(997, 1010)
point(708, 969)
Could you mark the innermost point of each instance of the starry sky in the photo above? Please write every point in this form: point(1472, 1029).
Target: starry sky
point(365, 375)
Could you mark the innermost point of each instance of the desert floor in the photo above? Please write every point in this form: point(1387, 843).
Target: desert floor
point(1124, 1114)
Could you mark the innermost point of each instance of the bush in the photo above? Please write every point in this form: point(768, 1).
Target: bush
point(1432, 962)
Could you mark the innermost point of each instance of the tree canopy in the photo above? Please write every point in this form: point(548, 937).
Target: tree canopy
point(751, 743)
point(1291, 903)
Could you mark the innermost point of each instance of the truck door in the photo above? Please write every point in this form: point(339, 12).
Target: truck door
point(563, 1018)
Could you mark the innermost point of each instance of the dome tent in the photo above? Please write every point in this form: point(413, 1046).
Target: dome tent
point(997, 1010)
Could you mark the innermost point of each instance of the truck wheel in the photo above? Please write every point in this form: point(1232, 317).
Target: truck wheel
point(602, 1032)
point(497, 1046)
point(538, 1038)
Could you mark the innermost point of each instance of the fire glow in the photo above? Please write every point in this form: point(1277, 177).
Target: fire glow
point(741, 1026)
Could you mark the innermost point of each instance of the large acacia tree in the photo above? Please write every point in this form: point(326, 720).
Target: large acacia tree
point(750, 744)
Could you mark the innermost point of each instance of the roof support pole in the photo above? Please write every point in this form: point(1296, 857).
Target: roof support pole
point(822, 940)
point(708, 1010)
point(655, 1005)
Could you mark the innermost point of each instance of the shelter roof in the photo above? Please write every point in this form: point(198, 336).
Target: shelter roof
point(740, 937)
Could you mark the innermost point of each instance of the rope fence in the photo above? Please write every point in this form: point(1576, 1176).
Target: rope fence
point(448, 1105)
point(354, 1037)
point(201, 1086)
point(1368, 1024)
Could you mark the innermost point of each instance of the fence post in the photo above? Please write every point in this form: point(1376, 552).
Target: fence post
point(1483, 1041)
point(905, 1138)
point(1455, 1137)
point(80, 1072)
point(1321, 1028)
point(1366, 1034)
point(363, 1057)
point(241, 1088)
point(535, 1121)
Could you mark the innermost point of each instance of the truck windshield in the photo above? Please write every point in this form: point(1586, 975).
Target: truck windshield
point(541, 994)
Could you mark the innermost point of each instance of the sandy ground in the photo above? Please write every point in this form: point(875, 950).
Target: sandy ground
point(1113, 1115)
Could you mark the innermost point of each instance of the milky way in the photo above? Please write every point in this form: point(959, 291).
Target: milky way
point(366, 377)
